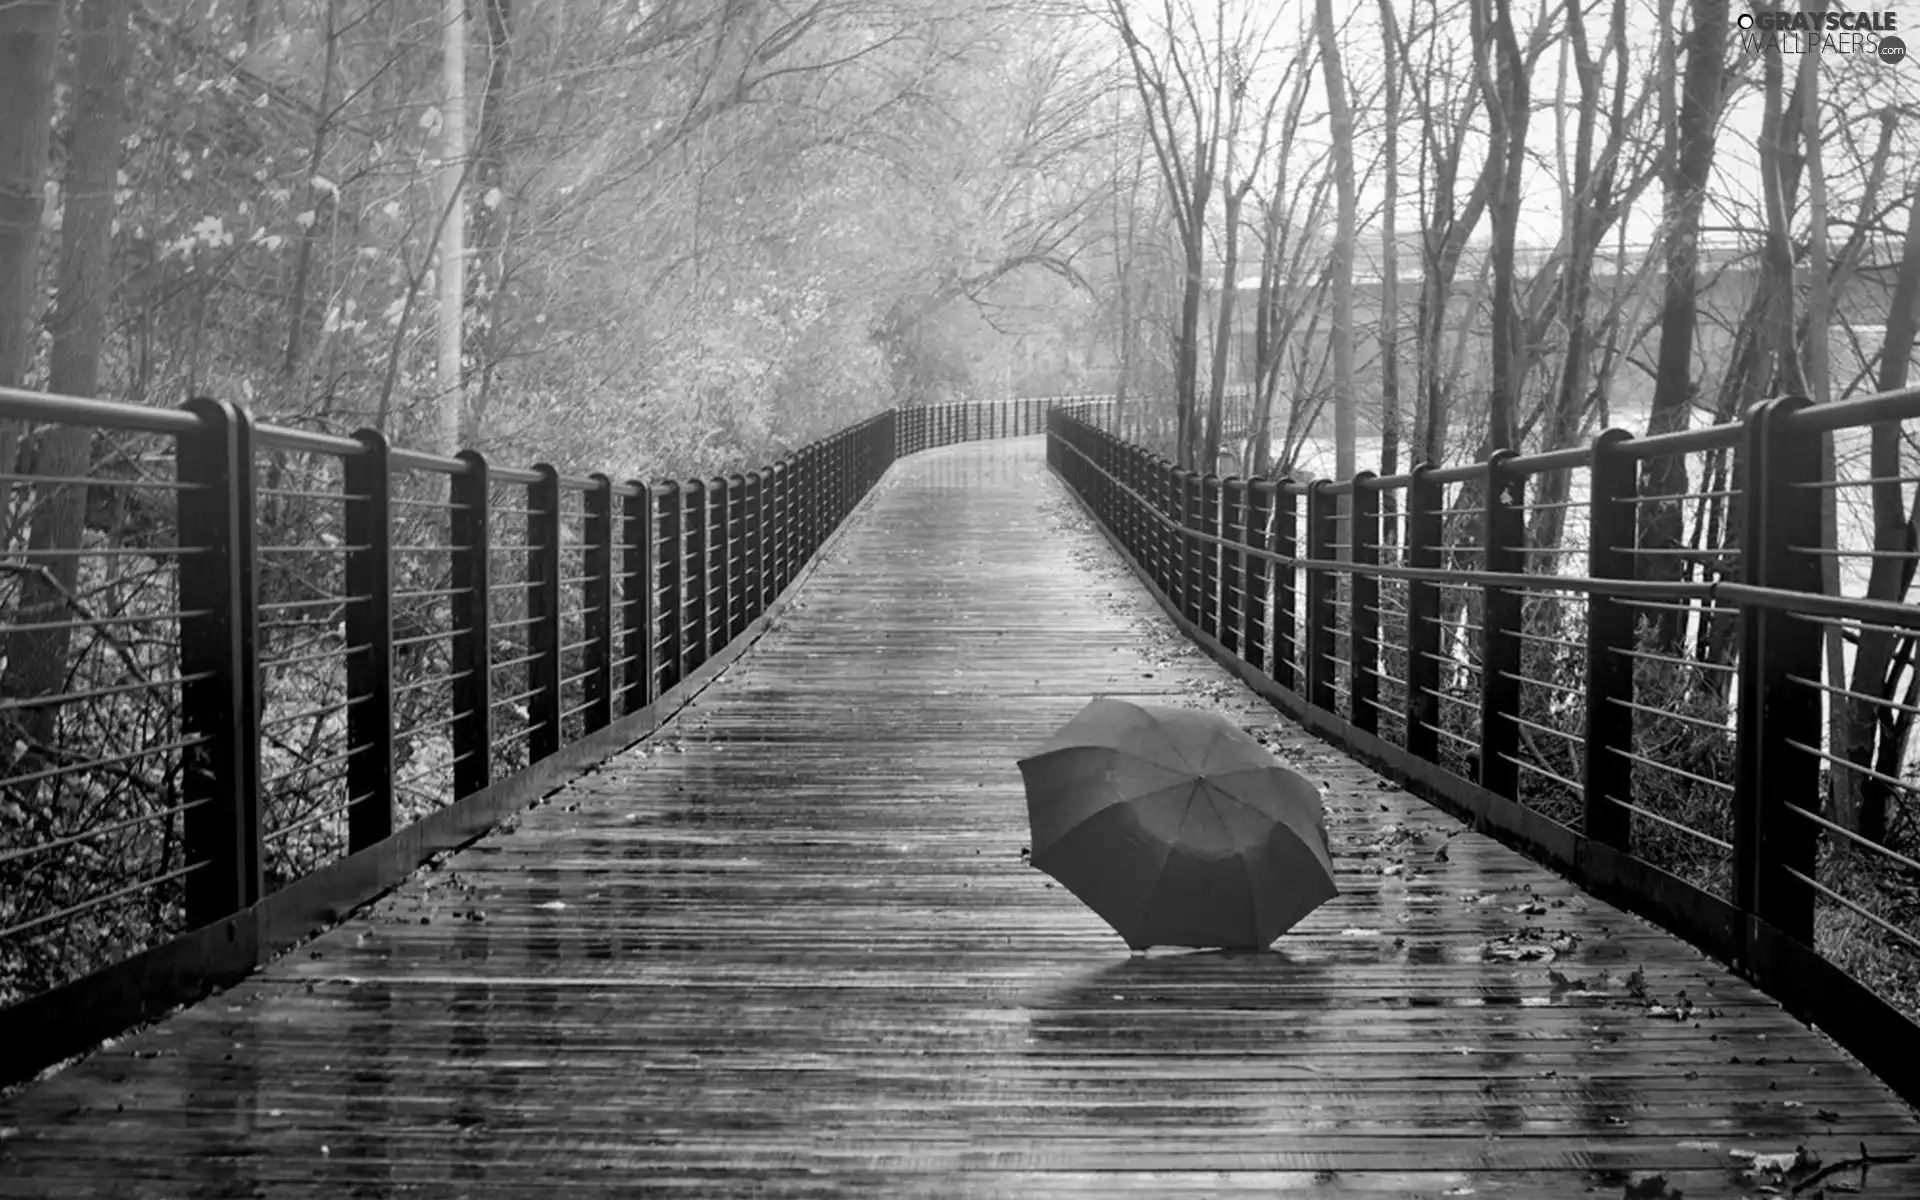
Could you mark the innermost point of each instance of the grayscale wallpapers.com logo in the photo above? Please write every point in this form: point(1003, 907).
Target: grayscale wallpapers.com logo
point(1794, 32)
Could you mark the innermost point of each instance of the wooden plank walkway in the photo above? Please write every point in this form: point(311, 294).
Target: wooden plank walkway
point(789, 947)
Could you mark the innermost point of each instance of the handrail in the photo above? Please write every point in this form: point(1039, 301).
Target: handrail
point(282, 681)
point(1292, 595)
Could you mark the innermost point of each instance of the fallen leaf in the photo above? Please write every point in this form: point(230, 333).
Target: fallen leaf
point(1565, 983)
point(1777, 1165)
point(1649, 1187)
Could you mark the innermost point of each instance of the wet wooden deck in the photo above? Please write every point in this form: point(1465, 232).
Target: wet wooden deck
point(789, 947)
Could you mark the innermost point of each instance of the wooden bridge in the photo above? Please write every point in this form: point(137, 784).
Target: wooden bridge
point(749, 914)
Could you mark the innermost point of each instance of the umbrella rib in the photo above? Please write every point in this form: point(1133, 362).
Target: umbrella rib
point(1160, 876)
point(1220, 790)
point(1141, 798)
point(1118, 751)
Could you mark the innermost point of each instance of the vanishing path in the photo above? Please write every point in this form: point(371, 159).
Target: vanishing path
point(789, 946)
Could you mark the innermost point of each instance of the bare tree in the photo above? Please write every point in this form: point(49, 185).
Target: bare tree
point(1390, 271)
point(1187, 173)
point(29, 43)
point(1503, 78)
point(1289, 261)
point(450, 312)
point(1346, 233)
point(1602, 181)
point(37, 648)
point(1685, 195)
point(1870, 733)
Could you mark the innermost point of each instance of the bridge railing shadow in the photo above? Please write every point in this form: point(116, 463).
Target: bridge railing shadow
point(257, 674)
point(1639, 680)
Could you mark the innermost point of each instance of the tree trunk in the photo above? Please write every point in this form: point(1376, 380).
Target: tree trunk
point(1591, 208)
point(1186, 351)
point(492, 220)
point(37, 659)
point(1346, 229)
point(1503, 78)
point(1673, 389)
point(1223, 327)
point(1390, 281)
point(1813, 359)
point(1861, 803)
point(29, 45)
point(316, 199)
point(451, 277)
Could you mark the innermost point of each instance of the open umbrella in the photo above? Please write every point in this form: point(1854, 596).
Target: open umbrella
point(1176, 827)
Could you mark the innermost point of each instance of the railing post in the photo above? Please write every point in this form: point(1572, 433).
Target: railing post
point(830, 483)
point(739, 561)
point(816, 475)
point(1233, 563)
point(800, 508)
point(368, 483)
point(470, 575)
point(1192, 572)
point(1286, 543)
point(1257, 574)
point(1132, 467)
point(1087, 471)
point(1113, 457)
point(543, 614)
point(1363, 601)
point(1607, 775)
point(1771, 844)
point(1209, 617)
point(849, 461)
point(714, 566)
point(637, 596)
point(597, 600)
point(758, 597)
point(1424, 515)
point(1503, 535)
point(670, 562)
point(782, 532)
point(719, 564)
point(219, 655)
point(693, 581)
point(853, 460)
point(1321, 509)
point(823, 481)
point(1168, 492)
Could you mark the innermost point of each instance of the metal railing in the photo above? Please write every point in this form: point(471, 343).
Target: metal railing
point(278, 669)
point(1626, 677)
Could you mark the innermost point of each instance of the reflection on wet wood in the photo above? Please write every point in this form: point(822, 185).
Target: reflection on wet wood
point(789, 947)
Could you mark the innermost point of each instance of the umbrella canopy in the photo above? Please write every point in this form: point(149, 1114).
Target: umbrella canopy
point(1176, 827)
